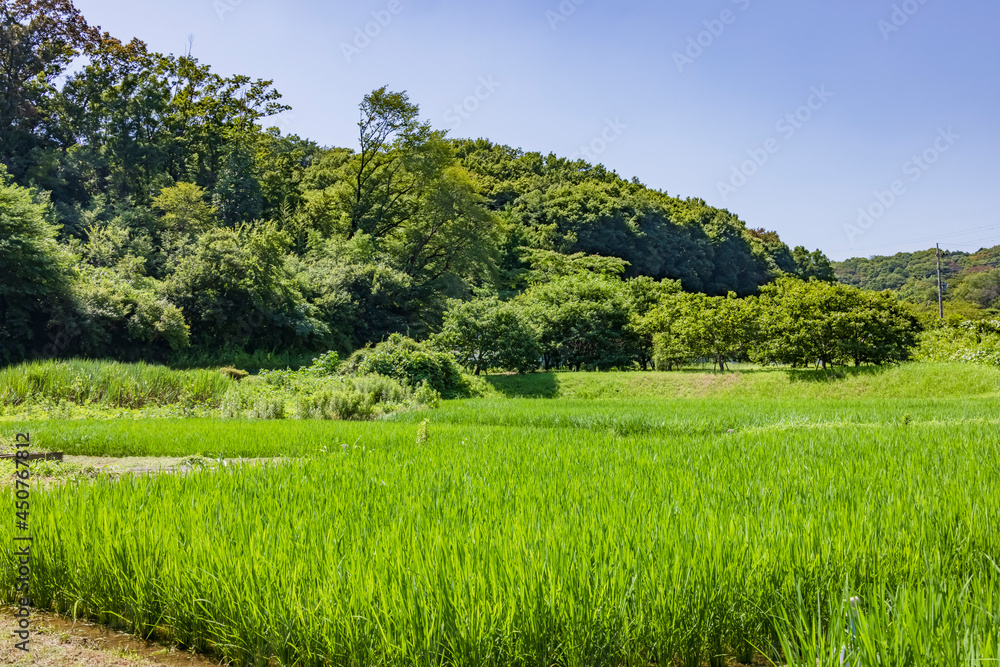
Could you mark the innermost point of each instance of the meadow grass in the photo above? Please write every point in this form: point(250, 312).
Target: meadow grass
point(253, 438)
point(912, 380)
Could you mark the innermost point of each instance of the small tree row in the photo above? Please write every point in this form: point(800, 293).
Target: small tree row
point(582, 319)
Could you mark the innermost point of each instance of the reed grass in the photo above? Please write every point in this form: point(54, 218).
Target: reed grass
point(109, 383)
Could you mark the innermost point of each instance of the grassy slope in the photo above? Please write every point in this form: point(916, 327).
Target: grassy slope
point(905, 381)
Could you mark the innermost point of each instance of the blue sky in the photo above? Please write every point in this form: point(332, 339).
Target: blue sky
point(860, 127)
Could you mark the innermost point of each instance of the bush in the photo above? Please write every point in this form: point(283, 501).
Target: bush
point(974, 342)
point(325, 364)
point(410, 362)
point(488, 333)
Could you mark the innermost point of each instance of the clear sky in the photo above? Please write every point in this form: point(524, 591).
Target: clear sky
point(798, 116)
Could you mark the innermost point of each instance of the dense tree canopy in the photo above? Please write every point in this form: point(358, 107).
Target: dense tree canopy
point(150, 208)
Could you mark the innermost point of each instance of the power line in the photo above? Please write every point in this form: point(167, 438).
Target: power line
point(923, 238)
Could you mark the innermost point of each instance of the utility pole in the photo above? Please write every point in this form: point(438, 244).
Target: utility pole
point(940, 298)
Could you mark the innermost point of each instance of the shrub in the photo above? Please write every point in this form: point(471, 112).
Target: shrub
point(325, 364)
point(410, 362)
point(968, 342)
point(488, 333)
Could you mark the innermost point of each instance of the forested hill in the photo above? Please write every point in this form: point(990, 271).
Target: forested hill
point(973, 279)
point(145, 207)
point(570, 206)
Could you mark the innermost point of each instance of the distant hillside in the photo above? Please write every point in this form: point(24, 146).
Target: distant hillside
point(971, 277)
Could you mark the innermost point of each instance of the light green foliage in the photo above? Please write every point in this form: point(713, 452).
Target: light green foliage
point(325, 364)
point(549, 532)
point(310, 393)
point(806, 322)
point(487, 333)
point(716, 328)
point(410, 362)
point(184, 208)
point(581, 319)
point(975, 341)
point(644, 295)
point(981, 288)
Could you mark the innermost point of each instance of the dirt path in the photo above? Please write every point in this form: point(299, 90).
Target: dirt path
point(46, 473)
point(58, 642)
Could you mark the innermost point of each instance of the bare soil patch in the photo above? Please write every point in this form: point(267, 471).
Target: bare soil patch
point(59, 642)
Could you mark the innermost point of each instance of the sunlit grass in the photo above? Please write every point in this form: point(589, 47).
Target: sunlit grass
point(548, 532)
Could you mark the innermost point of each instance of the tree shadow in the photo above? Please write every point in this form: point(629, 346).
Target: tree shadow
point(838, 373)
point(530, 385)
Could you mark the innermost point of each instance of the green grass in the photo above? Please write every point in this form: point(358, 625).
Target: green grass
point(209, 437)
point(630, 530)
point(904, 381)
point(251, 438)
point(548, 546)
point(109, 384)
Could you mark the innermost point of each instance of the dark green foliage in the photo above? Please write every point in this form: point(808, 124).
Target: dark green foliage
point(237, 195)
point(553, 204)
point(34, 272)
point(813, 264)
point(190, 225)
point(232, 287)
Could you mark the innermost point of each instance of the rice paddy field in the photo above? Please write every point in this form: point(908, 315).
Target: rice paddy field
point(583, 520)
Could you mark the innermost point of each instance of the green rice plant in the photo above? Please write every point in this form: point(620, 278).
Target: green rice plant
point(521, 545)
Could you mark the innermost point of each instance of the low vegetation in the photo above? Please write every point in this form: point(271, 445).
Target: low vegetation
point(322, 390)
point(565, 531)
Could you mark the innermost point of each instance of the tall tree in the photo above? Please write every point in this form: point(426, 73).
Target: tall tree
point(398, 155)
point(38, 39)
point(34, 271)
